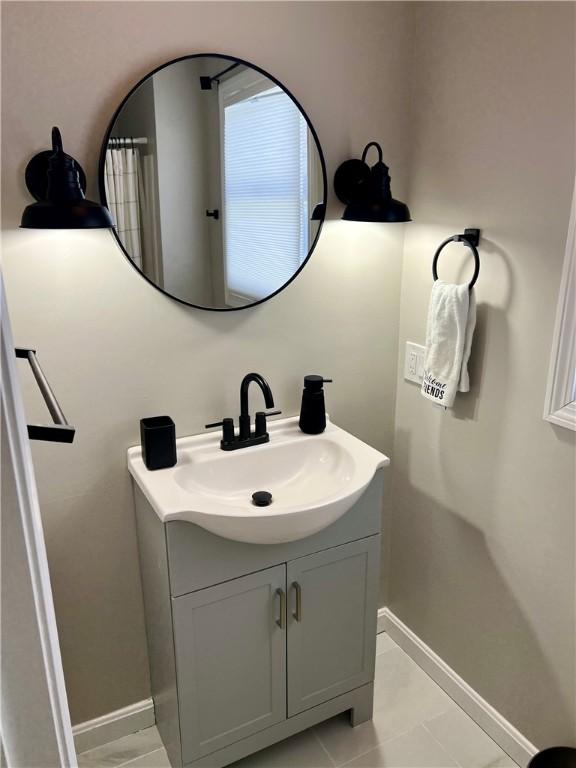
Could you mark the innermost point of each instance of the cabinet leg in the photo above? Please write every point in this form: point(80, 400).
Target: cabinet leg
point(362, 711)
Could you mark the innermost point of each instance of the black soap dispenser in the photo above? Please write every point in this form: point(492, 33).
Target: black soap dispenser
point(313, 411)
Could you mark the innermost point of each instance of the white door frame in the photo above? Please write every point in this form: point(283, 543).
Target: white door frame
point(35, 720)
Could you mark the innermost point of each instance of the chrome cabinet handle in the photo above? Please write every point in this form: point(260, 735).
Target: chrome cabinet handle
point(281, 621)
point(298, 610)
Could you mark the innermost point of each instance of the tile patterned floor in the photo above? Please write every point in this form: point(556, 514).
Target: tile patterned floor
point(415, 725)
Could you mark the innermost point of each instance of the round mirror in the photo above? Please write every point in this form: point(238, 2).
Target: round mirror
point(215, 180)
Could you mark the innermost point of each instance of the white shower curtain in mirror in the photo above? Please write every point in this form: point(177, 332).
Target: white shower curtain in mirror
point(123, 194)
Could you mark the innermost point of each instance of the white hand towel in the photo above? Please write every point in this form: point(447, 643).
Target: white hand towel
point(451, 322)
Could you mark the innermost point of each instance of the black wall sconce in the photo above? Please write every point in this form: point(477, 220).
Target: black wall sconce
point(366, 191)
point(57, 182)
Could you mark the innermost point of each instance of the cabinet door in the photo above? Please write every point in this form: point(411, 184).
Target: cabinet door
point(230, 660)
point(331, 622)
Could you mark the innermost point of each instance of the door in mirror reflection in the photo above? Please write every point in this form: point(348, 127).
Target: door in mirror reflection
point(215, 180)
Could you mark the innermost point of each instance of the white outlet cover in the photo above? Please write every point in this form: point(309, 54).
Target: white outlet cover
point(414, 362)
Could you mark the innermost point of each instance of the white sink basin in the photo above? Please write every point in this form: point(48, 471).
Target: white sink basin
point(313, 479)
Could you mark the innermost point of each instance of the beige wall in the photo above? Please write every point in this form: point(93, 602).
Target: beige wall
point(115, 349)
point(483, 524)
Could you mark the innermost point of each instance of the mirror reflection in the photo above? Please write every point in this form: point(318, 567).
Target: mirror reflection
point(215, 181)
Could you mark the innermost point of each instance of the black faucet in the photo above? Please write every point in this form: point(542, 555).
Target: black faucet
point(230, 441)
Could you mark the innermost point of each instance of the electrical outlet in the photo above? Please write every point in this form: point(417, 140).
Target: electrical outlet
point(414, 362)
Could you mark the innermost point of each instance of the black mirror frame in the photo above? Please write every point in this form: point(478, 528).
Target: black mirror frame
point(102, 162)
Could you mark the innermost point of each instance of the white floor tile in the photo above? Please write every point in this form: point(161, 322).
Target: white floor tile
point(404, 697)
point(384, 643)
point(415, 749)
point(122, 750)
point(468, 744)
point(300, 751)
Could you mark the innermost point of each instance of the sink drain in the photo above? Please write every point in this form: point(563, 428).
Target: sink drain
point(261, 499)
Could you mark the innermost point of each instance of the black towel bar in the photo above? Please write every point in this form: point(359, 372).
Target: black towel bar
point(471, 238)
point(60, 431)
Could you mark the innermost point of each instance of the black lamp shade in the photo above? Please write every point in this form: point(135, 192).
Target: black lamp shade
point(83, 215)
point(366, 191)
point(57, 182)
point(388, 211)
point(319, 212)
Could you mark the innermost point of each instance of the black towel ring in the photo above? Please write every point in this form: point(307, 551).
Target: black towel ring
point(471, 238)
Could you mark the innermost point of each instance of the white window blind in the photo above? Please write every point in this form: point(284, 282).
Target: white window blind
point(265, 192)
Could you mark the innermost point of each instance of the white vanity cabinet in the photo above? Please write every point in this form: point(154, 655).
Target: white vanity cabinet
point(252, 643)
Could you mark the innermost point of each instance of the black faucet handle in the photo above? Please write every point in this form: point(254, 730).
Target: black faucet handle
point(227, 429)
point(260, 422)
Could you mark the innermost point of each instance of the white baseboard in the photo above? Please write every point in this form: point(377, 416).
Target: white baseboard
point(114, 725)
point(497, 727)
point(381, 625)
